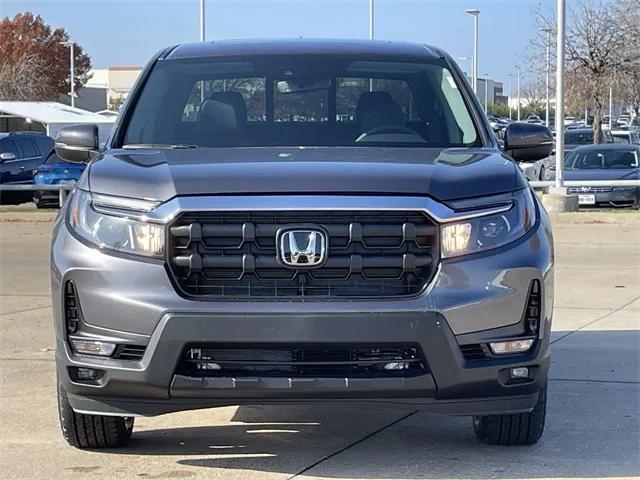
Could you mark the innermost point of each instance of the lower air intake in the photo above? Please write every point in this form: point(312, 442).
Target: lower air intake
point(342, 361)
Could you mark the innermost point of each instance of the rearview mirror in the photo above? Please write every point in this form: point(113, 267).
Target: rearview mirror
point(527, 142)
point(78, 143)
point(5, 156)
point(299, 85)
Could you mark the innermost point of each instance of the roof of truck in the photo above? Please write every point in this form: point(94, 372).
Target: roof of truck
point(303, 46)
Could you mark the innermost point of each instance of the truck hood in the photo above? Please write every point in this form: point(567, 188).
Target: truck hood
point(160, 174)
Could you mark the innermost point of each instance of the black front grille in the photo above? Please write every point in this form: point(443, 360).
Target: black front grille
point(304, 360)
point(590, 189)
point(370, 254)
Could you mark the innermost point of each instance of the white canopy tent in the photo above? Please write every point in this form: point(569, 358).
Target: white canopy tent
point(54, 116)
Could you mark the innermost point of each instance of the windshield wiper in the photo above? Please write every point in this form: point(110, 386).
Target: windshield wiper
point(158, 145)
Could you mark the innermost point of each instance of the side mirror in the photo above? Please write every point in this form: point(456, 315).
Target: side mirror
point(78, 143)
point(6, 156)
point(527, 142)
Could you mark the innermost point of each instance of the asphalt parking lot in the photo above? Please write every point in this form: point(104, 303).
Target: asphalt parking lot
point(593, 424)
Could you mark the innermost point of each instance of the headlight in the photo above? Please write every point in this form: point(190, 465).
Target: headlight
point(491, 231)
point(114, 230)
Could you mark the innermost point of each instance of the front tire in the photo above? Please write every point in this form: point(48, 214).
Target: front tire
point(92, 431)
point(513, 429)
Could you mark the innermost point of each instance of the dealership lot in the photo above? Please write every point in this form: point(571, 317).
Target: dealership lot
point(592, 428)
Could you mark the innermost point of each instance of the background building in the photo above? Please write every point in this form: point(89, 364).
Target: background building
point(106, 89)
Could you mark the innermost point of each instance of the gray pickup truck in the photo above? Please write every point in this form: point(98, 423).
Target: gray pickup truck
point(285, 221)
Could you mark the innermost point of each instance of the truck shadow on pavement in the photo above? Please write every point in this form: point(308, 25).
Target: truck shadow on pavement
point(592, 430)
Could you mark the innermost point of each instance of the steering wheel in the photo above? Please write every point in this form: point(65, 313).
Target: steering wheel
point(390, 129)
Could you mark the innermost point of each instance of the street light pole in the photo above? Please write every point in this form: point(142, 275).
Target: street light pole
point(610, 108)
point(517, 67)
point(548, 71)
point(510, 94)
point(486, 93)
point(560, 96)
point(203, 34)
point(370, 19)
point(72, 79)
point(371, 32)
point(474, 67)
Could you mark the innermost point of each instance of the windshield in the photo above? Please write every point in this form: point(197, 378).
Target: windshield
point(620, 138)
point(305, 101)
point(579, 137)
point(596, 159)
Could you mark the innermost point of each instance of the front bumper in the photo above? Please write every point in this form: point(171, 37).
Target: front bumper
point(472, 299)
point(619, 197)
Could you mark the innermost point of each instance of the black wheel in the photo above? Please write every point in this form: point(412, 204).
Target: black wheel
point(92, 431)
point(513, 429)
point(42, 203)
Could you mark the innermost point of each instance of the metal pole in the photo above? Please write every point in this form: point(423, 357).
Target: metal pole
point(610, 108)
point(546, 113)
point(510, 94)
point(73, 80)
point(474, 65)
point(486, 93)
point(370, 19)
point(203, 34)
point(475, 50)
point(560, 97)
point(371, 36)
point(518, 70)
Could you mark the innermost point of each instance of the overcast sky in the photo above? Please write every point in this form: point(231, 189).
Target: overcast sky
point(128, 32)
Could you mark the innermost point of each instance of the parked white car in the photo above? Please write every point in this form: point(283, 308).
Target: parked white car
point(534, 171)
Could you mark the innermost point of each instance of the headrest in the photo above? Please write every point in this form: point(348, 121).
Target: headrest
point(377, 109)
point(223, 110)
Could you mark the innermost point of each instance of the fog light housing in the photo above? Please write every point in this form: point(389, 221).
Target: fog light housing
point(92, 347)
point(512, 346)
point(519, 372)
point(86, 374)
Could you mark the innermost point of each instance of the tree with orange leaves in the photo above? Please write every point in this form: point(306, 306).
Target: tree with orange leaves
point(34, 65)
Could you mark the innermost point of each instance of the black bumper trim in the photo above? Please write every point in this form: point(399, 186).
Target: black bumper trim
point(466, 407)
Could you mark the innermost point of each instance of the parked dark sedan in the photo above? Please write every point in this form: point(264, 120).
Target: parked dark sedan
point(603, 162)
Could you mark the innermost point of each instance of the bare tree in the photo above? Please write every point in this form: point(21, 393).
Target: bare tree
point(628, 82)
point(27, 37)
point(601, 36)
point(598, 52)
point(534, 93)
point(20, 81)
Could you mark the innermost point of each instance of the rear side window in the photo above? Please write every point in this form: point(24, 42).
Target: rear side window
point(252, 90)
point(9, 146)
point(349, 90)
point(29, 149)
point(45, 144)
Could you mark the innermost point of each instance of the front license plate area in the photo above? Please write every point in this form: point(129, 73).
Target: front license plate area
point(587, 199)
